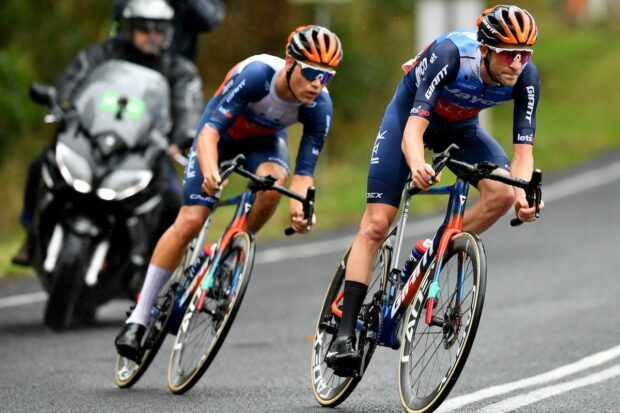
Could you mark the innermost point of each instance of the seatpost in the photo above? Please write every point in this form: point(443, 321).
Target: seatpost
point(400, 228)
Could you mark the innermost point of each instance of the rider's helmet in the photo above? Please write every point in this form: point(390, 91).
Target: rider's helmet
point(315, 44)
point(506, 24)
point(147, 15)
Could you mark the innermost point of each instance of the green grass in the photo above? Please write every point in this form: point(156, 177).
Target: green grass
point(576, 122)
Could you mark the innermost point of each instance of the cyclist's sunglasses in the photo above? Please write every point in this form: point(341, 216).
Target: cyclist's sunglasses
point(147, 26)
point(508, 56)
point(312, 72)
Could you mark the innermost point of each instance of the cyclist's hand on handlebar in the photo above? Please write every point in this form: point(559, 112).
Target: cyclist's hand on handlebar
point(424, 176)
point(298, 223)
point(212, 183)
point(525, 212)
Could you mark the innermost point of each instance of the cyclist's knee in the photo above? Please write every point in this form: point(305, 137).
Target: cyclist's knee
point(374, 228)
point(500, 199)
point(268, 200)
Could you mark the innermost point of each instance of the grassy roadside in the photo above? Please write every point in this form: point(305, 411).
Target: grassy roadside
point(575, 124)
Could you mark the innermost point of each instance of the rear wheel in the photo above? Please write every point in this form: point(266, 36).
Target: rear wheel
point(329, 389)
point(210, 315)
point(432, 356)
point(67, 282)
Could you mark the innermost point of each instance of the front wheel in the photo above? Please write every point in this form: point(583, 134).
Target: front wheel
point(67, 282)
point(434, 354)
point(210, 315)
point(329, 389)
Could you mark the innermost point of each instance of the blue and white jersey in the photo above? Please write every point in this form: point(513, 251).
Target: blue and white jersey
point(446, 82)
point(246, 106)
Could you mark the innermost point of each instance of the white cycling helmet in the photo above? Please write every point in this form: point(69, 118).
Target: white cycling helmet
point(147, 15)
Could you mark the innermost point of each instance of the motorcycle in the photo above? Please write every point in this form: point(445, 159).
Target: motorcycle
point(100, 206)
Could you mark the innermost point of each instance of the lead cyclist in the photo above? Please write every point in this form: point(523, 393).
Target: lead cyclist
point(437, 103)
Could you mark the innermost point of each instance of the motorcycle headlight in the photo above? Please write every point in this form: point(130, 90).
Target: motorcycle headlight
point(123, 183)
point(74, 168)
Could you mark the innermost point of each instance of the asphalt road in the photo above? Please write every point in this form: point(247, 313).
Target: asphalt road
point(549, 339)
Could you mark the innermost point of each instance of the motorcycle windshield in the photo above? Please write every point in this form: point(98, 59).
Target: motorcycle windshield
point(125, 99)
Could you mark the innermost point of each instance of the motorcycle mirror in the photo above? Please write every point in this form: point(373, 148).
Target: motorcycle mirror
point(42, 93)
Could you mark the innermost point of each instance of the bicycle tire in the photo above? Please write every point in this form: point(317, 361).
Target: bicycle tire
point(183, 376)
point(328, 389)
point(128, 372)
point(68, 283)
point(456, 335)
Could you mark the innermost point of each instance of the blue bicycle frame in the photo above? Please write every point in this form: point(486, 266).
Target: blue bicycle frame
point(203, 280)
point(394, 300)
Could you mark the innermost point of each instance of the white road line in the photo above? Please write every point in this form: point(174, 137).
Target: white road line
point(516, 402)
point(582, 182)
point(585, 363)
point(336, 245)
point(23, 299)
point(561, 189)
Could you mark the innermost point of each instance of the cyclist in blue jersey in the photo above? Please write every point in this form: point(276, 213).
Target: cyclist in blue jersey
point(437, 103)
point(249, 113)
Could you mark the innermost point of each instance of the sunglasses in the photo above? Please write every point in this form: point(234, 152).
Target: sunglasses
point(312, 72)
point(147, 26)
point(508, 56)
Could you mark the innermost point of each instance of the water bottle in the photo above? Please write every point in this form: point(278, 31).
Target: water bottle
point(412, 260)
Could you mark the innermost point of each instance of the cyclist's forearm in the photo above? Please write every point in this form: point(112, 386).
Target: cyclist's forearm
point(300, 185)
point(522, 165)
point(413, 142)
point(206, 149)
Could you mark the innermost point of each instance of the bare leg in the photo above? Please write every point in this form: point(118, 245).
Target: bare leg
point(266, 201)
point(495, 200)
point(170, 247)
point(166, 258)
point(373, 229)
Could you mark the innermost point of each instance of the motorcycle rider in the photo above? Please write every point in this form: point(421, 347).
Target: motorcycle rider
point(191, 17)
point(146, 32)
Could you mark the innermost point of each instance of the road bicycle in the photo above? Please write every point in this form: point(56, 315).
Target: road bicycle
point(203, 296)
point(429, 309)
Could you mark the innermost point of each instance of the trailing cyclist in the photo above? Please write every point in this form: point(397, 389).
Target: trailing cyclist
point(249, 113)
point(437, 103)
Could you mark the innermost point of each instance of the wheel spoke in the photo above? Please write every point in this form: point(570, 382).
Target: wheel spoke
point(436, 353)
point(205, 330)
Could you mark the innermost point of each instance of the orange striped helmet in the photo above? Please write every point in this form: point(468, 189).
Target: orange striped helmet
point(315, 44)
point(507, 24)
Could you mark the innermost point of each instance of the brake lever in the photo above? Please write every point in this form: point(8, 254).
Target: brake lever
point(308, 206)
point(533, 194)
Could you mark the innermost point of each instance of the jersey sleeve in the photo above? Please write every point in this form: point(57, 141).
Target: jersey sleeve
point(437, 67)
point(316, 119)
point(250, 85)
point(525, 94)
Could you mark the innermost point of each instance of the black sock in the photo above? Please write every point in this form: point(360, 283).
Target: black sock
point(354, 293)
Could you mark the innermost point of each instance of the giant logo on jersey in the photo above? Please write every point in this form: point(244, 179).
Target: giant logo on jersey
point(531, 95)
point(442, 73)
